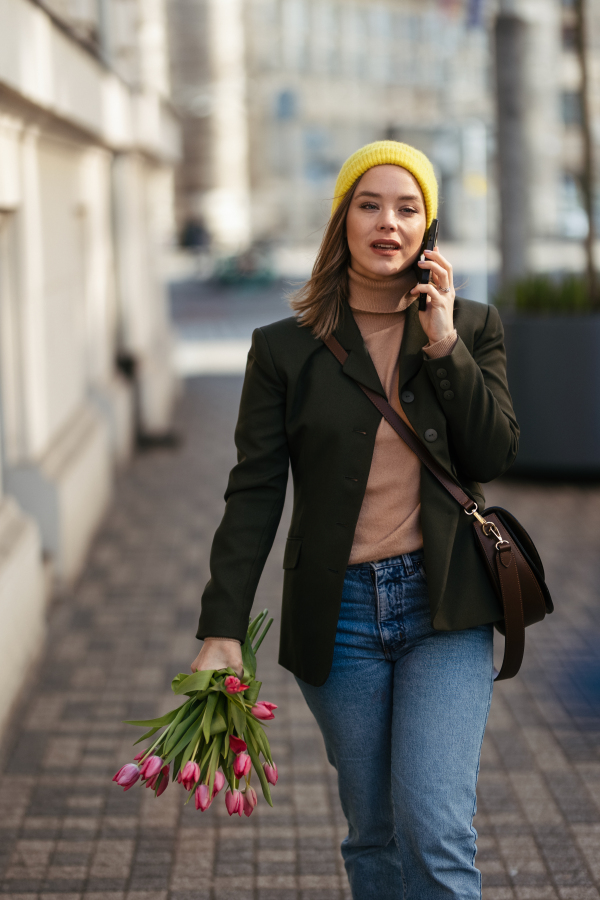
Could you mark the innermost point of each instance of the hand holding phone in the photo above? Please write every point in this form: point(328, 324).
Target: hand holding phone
point(428, 244)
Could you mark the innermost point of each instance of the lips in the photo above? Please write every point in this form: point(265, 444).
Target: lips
point(385, 246)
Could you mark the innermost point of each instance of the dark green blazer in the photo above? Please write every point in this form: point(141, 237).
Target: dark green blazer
point(300, 406)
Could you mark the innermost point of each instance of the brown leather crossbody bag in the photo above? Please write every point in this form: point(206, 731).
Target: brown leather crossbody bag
point(512, 561)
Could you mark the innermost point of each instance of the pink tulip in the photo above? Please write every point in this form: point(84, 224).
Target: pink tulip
point(234, 802)
point(219, 783)
point(237, 744)
point(242, 765)
point(263, 710)
point(203, 798)
point(152, 782)
point(127, 775)
point(190, 775)
point(140, 755)
point(151, 767)
point(233, 685)
point(164, 781)
point(250, 800)
point(271, 773)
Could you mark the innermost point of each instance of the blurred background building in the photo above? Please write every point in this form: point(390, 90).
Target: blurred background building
point(88, 142)
point(275, 94)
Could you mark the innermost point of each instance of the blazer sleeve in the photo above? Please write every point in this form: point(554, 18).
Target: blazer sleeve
point(472, 390)
point(254, 500)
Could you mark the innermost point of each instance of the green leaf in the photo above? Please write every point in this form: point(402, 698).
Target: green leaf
point(218, 724)
point(251, 695)
point(248, 659)
point(260, 772)
point(178, 679)
point(181, 728)
point(176, 766)
point(261, 739)
point(210, 708)
point(238, 716)
point(154, 723)
point(193, 745)
point(147, 735)
point(199, 681)
point(214, 762)
point(182, 744)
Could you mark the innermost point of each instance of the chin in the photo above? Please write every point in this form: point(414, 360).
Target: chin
point(383, 268)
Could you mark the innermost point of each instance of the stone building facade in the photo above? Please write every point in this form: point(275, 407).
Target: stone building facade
point(88, 142)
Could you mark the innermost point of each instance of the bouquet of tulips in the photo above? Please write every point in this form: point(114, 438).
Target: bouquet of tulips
point(215, 738)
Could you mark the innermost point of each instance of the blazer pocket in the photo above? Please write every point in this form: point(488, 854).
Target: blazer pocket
point(292, 553)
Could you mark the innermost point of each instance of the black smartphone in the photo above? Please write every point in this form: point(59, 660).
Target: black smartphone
point(428, 244)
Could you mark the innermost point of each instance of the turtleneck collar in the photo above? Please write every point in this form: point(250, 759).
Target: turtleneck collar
point(367, 295)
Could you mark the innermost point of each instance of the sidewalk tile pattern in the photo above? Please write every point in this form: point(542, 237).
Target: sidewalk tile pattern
point(115, 642)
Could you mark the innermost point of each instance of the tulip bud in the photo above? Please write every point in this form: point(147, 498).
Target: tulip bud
point(237, 744)
point(219, 783)
point(203, 798)
point(140, 755)
point(164, 781)
point(271, 773)
point(263, 710)
point(233, 801)
point(127, 775)
point(250, 800)
point(233, 685)
point(190, 775)
point(151, 767)
point(242, 765)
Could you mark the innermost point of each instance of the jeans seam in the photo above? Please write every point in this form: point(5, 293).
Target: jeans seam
point(385, 651)
point(489, 703)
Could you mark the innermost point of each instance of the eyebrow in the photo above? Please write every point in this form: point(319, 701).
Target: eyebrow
point(373, 194)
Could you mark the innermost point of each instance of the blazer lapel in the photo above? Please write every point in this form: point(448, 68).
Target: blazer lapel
point(359, 366)
point(413, 341)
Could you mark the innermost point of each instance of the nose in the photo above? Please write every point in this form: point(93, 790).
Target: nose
point(387, 221)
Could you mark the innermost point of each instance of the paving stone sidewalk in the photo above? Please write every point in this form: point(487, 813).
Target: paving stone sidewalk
point(127, 628)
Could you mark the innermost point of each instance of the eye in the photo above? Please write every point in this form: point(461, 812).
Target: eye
point(368, 205)
point(409, 209)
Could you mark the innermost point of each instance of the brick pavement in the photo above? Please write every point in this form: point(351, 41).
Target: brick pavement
point(115, 643)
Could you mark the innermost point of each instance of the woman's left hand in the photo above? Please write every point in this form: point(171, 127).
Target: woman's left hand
point(437, 321)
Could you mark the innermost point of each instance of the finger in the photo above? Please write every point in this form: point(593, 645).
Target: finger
point(433, 293)
point(437, 270)
point(441, 260)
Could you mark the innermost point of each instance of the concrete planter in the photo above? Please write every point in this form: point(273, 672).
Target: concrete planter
point(554, 379)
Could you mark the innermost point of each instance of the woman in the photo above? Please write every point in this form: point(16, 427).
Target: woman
point(387, 610)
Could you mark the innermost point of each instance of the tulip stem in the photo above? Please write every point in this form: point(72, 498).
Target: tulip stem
point(263, 635)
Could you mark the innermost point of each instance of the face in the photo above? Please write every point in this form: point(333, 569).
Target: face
point(386, 222)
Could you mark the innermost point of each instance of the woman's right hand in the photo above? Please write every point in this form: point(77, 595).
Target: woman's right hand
point(219, 654)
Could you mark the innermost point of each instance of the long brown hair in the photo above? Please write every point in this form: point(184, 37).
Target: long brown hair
point(319, 303)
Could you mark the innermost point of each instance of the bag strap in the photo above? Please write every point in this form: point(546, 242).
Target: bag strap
point(510, 588)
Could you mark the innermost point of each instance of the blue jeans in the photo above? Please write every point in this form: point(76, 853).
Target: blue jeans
point(402, 714)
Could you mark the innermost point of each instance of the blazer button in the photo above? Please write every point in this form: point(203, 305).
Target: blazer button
point(441, 373)
point(445, 385)
point(431, 435)
point(448, 395)
point(407, 396)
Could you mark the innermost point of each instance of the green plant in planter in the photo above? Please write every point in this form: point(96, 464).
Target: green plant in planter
point(544, 294)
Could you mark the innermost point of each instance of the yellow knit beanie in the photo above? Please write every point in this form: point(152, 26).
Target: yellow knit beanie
point(393, 153)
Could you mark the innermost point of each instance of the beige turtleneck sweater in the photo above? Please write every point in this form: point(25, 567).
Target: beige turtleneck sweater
point(389, 520)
